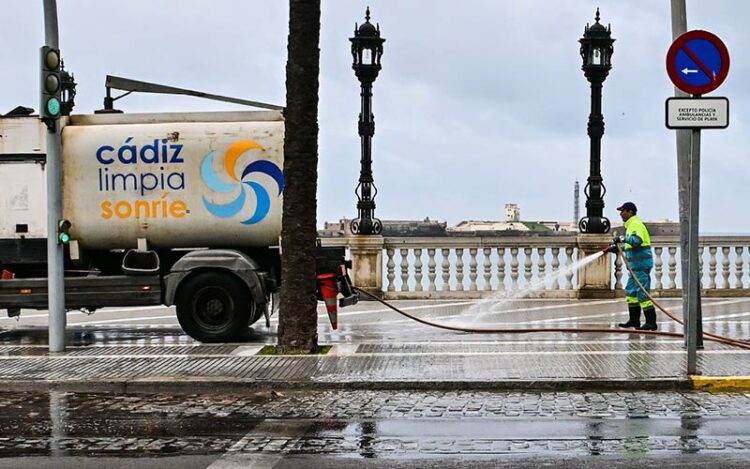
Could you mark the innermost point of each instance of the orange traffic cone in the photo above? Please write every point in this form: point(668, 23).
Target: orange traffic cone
point(327, 288)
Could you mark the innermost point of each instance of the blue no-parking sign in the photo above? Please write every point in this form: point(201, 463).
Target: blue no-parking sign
point(697, 62)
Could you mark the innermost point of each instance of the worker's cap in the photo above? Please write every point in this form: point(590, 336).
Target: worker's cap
point(627, 206)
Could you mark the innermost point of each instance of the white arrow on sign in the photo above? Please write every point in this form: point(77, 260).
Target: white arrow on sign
point(686, 71)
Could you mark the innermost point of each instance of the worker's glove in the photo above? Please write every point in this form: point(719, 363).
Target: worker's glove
point(612, 248)
point(618, 239)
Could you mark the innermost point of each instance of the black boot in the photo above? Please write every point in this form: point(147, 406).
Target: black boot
point(650, 315)
point(634, 311)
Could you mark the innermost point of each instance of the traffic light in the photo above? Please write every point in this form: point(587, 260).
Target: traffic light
point(50, 106)
point(63, 231)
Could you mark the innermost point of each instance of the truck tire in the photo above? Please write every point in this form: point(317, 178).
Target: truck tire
point(214, 307)
point(256, 315)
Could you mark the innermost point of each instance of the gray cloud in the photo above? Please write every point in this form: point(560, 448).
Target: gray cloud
point(478, 104)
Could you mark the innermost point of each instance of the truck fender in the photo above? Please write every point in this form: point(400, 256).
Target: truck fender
point(238, 263)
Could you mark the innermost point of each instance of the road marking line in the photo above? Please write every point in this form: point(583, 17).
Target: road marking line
point(129, 357)
point(509, 311)
point(85, 347)
point(568, 318)
point(543, 308)
point(247, 350)
point(623, 340)
point(98, 311)
point(557, 352)
point(726, 316)
point(237, 458)
point(573, 318)
point(726, 302)
point(108, 321)
point(132, 308)
point(385, 310)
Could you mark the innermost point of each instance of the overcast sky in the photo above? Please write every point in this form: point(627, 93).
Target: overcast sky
point(479, 103)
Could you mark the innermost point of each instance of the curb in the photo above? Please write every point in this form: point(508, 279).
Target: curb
point(198, 385)
point(720, 383)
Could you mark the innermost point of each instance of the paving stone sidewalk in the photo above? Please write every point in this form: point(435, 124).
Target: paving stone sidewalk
point(507, 362)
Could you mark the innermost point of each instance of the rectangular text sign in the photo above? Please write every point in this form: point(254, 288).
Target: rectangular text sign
point(697, 113)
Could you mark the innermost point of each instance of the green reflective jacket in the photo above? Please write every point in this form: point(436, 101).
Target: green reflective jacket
point(638, 244)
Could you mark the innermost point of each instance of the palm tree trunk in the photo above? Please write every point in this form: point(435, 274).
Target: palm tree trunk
point(298, 319)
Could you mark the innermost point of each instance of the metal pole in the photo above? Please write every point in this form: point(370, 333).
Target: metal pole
point(595, 220)
point(679, 27)
point(55, 255)
point(693, 284)
point(595, 203)
point(366, 223)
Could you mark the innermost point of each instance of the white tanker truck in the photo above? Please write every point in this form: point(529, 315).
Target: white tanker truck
point(161, 209)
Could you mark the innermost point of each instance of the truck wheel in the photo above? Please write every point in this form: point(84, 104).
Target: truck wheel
point(214, 307)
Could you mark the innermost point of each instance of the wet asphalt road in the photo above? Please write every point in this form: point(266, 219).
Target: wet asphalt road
point(355, 429)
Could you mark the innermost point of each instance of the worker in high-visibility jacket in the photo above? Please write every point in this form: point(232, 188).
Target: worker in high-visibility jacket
point(636, 245)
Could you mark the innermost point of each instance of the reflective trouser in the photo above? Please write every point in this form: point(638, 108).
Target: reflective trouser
point(633, 293)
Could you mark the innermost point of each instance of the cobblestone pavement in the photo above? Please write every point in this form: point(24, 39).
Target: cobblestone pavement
point(561, 364)
point(374, 424)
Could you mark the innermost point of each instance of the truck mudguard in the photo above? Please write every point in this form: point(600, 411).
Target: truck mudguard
point(233, 262)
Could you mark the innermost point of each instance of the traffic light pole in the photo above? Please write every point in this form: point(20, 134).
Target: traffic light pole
point(55, 254)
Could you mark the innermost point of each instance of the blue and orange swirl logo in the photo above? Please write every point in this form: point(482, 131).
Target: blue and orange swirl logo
point(212, 180)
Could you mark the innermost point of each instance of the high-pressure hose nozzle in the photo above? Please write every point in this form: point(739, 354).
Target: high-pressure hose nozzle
point(614, 247)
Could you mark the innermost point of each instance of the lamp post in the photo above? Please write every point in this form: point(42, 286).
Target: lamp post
point(367, 48)
point(596, 52)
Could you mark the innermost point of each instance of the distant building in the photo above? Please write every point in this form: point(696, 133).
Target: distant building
point(510, 228)
point(512, 213)
point(470, 226)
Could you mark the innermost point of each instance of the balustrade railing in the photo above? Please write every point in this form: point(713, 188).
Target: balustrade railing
point(724, 265)
point(477, 267)
point(473, 268)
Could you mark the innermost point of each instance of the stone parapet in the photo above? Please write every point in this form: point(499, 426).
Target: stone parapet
point(595, 278)
point(367, 263)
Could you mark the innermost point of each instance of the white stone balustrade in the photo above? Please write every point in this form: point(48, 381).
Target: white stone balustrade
point(477, 267)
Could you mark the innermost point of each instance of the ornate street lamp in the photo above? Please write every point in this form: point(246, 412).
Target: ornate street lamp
point(367, 48)
point(596, 52)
